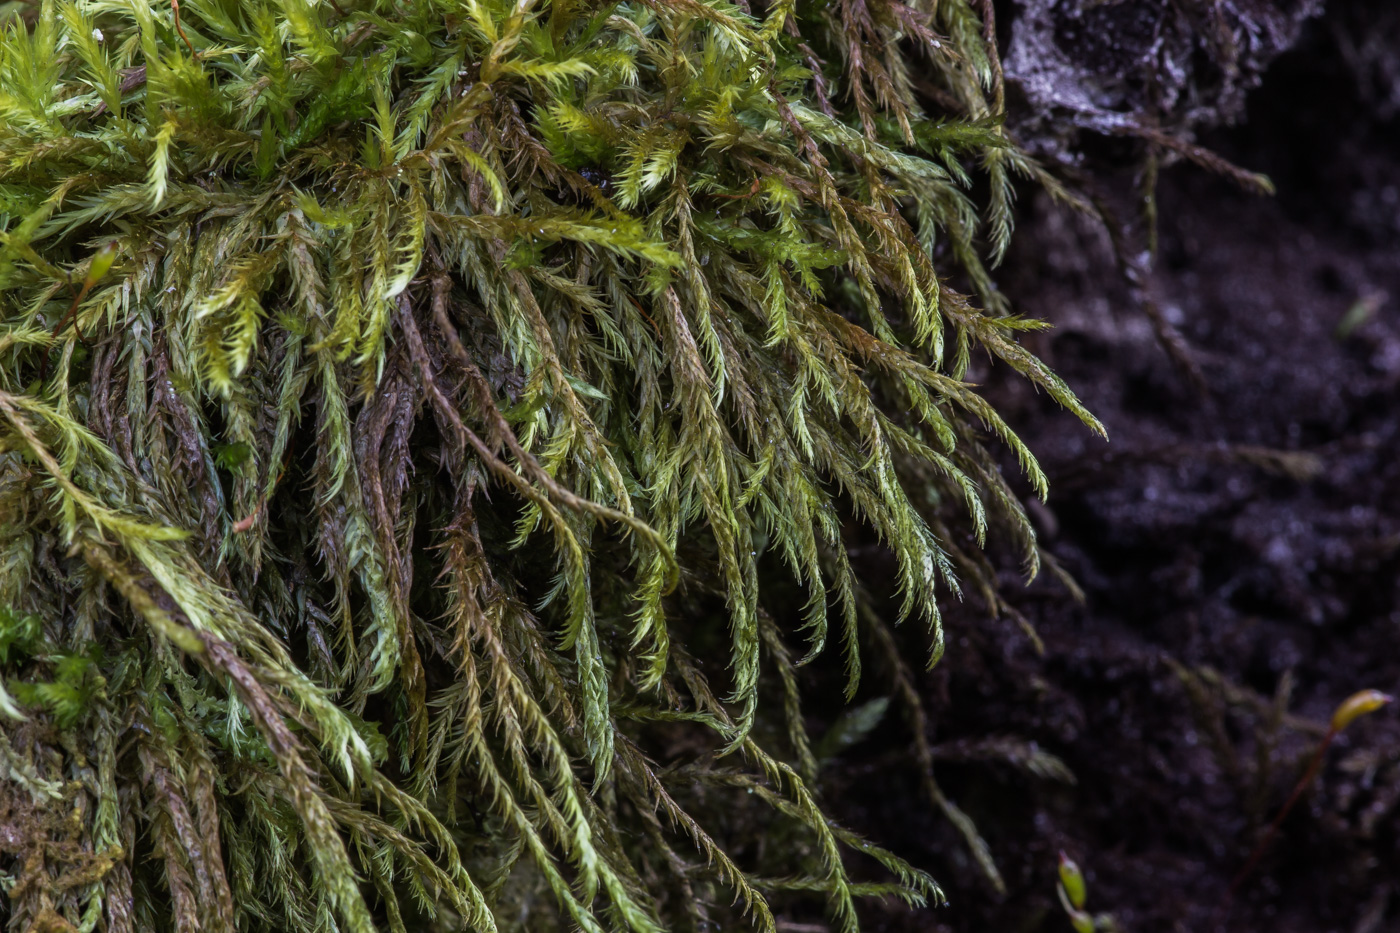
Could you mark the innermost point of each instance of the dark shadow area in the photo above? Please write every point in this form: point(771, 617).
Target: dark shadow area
point(1239, 548)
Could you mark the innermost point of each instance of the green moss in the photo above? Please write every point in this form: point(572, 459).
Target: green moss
point(456, 365)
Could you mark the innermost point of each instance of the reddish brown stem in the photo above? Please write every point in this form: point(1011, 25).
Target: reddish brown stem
point(1302, 785)
point(753, 190)
point(643, 313)
point(175, 8)
point(247, 522)
point(70, 315)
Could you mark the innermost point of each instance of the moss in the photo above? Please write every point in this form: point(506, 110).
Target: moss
point(402, 407)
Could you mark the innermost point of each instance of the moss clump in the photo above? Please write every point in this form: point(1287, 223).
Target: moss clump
point(396, 404)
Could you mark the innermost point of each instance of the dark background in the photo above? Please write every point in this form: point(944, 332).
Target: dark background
point(1250, 527)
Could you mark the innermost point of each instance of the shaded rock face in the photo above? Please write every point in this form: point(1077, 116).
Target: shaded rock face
point(1111, 66)
point(1368, 42)
point(1249, 530)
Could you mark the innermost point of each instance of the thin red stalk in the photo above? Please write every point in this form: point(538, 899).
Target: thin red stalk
point(1272, 831)
point(71, 315)
point(175, 8)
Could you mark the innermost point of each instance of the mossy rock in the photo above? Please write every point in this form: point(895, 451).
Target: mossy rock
point(458, 375)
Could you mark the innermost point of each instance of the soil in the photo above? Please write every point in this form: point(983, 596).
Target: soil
point(1238, 549)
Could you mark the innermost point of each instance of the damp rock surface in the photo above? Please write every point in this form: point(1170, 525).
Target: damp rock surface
point(1113, 66)
point(1238, 546)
